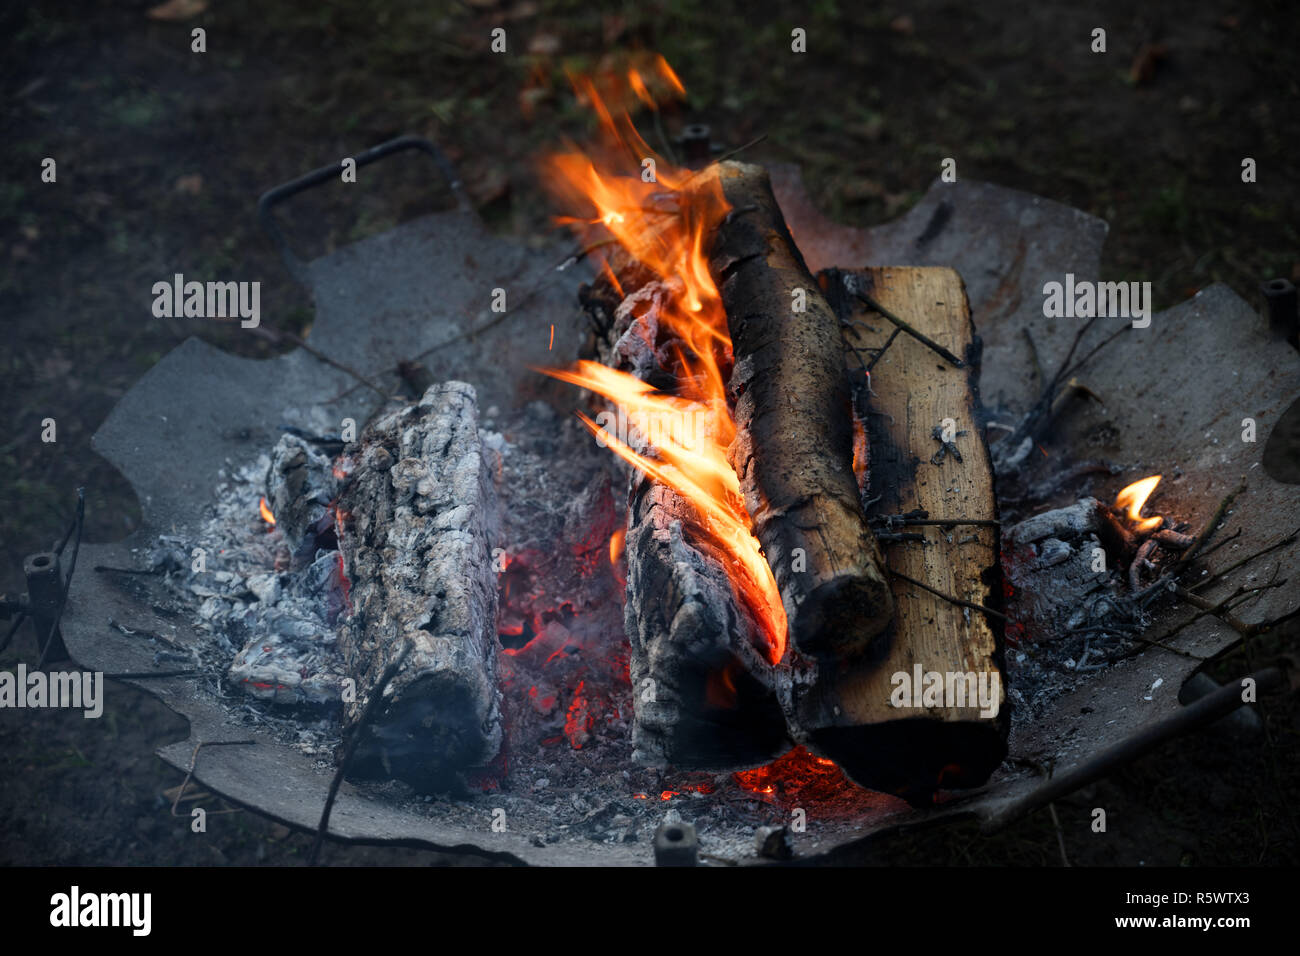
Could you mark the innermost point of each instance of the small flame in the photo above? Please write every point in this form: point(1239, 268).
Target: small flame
point(1134, 497)
point(265, 511)
point(616, 544)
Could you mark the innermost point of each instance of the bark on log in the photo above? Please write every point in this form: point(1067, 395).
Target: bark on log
point(416, 545)
point(703, 694)
point(793, 450)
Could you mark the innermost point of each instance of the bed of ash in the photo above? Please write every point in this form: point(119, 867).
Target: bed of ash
point(268, 627)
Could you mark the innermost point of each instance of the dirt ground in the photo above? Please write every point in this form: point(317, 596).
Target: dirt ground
point(162, 152)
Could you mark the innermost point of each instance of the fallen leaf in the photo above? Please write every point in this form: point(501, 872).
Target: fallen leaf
point(903, 25)
point(174, 10)
point(1144, 64)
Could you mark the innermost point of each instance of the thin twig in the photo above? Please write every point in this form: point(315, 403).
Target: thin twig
point(194, 758)
point(350, 747)
point(1060, 837)
point(277, 336)
point(1246, 560)
point(573, 258)
point(109, 569)
point(1219, 610)
point(881, 351)
point(919, 336)
point(949, 598)
point(1209, 527)
point(148, 635)
point(145, 675)
point(1219, 544)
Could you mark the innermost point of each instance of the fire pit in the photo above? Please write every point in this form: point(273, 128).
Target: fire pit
point(523, 646)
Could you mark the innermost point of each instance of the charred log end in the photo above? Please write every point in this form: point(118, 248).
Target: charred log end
point(718, 716)
point(848, 613)
point(917, 757)
point(426, 736)
point(793, 451)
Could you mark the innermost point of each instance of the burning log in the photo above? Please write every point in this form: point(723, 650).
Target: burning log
point(793, 449)
point(416, 523)
point(703, 693)
point(924, 709)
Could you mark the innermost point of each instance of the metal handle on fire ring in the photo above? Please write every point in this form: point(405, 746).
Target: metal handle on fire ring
point(280, 193)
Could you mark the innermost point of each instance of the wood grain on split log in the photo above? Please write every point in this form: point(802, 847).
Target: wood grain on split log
point(703, 693)
point(842, 709)
point(416, 545)
point(793, 451)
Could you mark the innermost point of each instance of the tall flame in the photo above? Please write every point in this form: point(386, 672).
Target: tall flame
point(1134, 497)
point(664, 225)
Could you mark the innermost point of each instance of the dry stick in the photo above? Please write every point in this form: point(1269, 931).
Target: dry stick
point(1152, 642)
point(949, 598)
point(1066, 372)
point(954, 522)
point(274, 335)
point(1033, 353)
point(144, 675)
point(573, 258)
point(1246, 560)
point(1219, 610)
point(1210, 525)
point(722, 159)
point(882, 350)
point(372, 708)
point(194, 759)
point(1228, 540)
point(1060, 837)
point(923, 339)
point(147, 635)
point(1209, 708)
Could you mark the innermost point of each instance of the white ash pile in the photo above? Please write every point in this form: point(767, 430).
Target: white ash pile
point(271, 608)
point(1071, 608)
point(432, 531)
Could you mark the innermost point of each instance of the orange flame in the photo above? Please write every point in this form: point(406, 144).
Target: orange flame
point(1134, 497)
point(265, 511)
point(664, 227)
point(616, 544)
